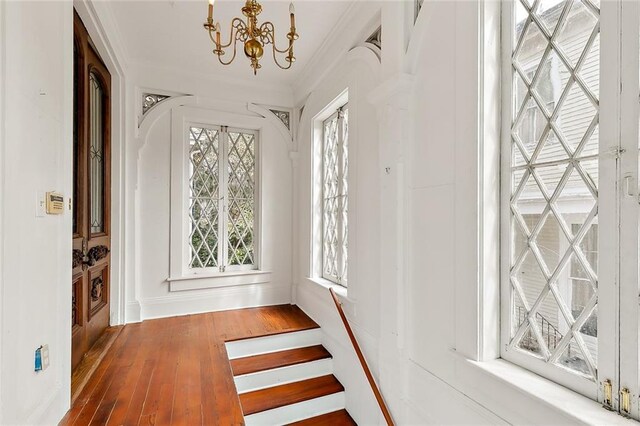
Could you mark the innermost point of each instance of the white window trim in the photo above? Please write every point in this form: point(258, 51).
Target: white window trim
point(339, 115)
point(477, 287)
point(573, 381)
point(182, 119)
point(317, 243)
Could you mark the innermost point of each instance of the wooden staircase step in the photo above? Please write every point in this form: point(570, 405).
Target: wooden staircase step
point(253, 364)
point(290, 393)
point(337, 418)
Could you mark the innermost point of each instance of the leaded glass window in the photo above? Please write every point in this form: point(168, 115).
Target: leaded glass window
point(96, 153)
point(204, 190)
point(335, 168)
point(553, 205)
point(241, 198)
point(222, 198)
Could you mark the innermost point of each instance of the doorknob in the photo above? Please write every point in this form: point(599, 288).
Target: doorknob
point(91, 256)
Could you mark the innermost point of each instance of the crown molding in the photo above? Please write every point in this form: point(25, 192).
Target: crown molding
point(360, 19)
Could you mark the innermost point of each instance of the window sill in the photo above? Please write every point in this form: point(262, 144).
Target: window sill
point(340, 290)
point(227, 279)
point(553, 396)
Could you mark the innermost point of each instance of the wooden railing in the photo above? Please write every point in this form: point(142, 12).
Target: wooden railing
point(363, 362)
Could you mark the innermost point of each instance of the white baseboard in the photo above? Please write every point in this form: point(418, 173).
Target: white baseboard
point(220, 299)
point(133, 312)
point(51, 411)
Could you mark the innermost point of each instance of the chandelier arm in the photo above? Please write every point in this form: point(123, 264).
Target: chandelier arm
point(238, 25)
point(271, 36)
point(232, 57)
point(275, 59)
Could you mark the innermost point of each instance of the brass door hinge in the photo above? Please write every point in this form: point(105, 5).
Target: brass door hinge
point(607, 392)
point(625, 402)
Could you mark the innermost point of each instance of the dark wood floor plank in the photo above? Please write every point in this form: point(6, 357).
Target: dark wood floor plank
point(91, 360)
point(337, 418)
point(253, 364)
point(290, 393)
point(175, 371)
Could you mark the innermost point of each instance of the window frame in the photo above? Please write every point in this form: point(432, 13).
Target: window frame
point(183, 119)
point(607, 277)
point(340, 145)
point(618, 341)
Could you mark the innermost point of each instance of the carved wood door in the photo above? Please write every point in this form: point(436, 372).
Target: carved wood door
point(91, 195)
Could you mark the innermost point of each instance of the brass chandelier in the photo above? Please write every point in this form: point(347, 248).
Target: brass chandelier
point(255, 37)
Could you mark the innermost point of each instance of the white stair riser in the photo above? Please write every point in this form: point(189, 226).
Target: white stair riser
point(300, 411)
point(275, 343)
point(279, 376)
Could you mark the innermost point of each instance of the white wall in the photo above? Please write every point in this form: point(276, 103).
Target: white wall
point(427, 266)
point(359, 74)
point(36, 91)
point(218, 102)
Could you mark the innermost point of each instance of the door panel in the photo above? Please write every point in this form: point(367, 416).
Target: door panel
point(91, 195)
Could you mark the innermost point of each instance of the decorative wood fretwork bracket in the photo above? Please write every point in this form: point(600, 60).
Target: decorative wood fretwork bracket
point(284, 116)
point(149, 100)
point(376, 38)
point(418, 7)
point(279, 117)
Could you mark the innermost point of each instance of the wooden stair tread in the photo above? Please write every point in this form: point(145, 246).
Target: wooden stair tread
point(290, 393)
point(253, 364)
point(337, 418)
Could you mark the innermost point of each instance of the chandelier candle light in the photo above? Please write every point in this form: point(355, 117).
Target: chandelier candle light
point(255, 37)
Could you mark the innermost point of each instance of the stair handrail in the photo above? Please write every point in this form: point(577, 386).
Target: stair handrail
point(363, 361)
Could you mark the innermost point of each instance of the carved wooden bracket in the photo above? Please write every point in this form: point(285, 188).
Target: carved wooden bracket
point(77, 258)
point(96, 289)
point(98, 252)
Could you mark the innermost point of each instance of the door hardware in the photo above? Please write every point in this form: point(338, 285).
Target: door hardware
point(607, 390)
point(625, 402)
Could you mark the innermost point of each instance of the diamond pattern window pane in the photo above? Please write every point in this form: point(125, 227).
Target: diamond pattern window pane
point(335, 197)
point(241, 198)
point(204, 188)
point(554, 168)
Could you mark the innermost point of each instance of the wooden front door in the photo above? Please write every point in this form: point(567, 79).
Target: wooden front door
point(91, 195)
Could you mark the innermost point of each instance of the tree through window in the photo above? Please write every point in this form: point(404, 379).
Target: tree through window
point(222, 201)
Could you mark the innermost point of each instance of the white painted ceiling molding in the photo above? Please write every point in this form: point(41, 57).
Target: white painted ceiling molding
point(267, 114)
point(355, 26)
point(358, 54)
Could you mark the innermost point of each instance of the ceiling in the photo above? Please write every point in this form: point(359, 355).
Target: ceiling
point(170, 34)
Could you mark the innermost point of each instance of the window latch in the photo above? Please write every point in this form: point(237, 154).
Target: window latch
point(607, 393)
point(625, 402)
point(616, 152)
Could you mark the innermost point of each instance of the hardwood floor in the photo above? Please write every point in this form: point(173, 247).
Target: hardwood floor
point(84, 371)
point(175, 371)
